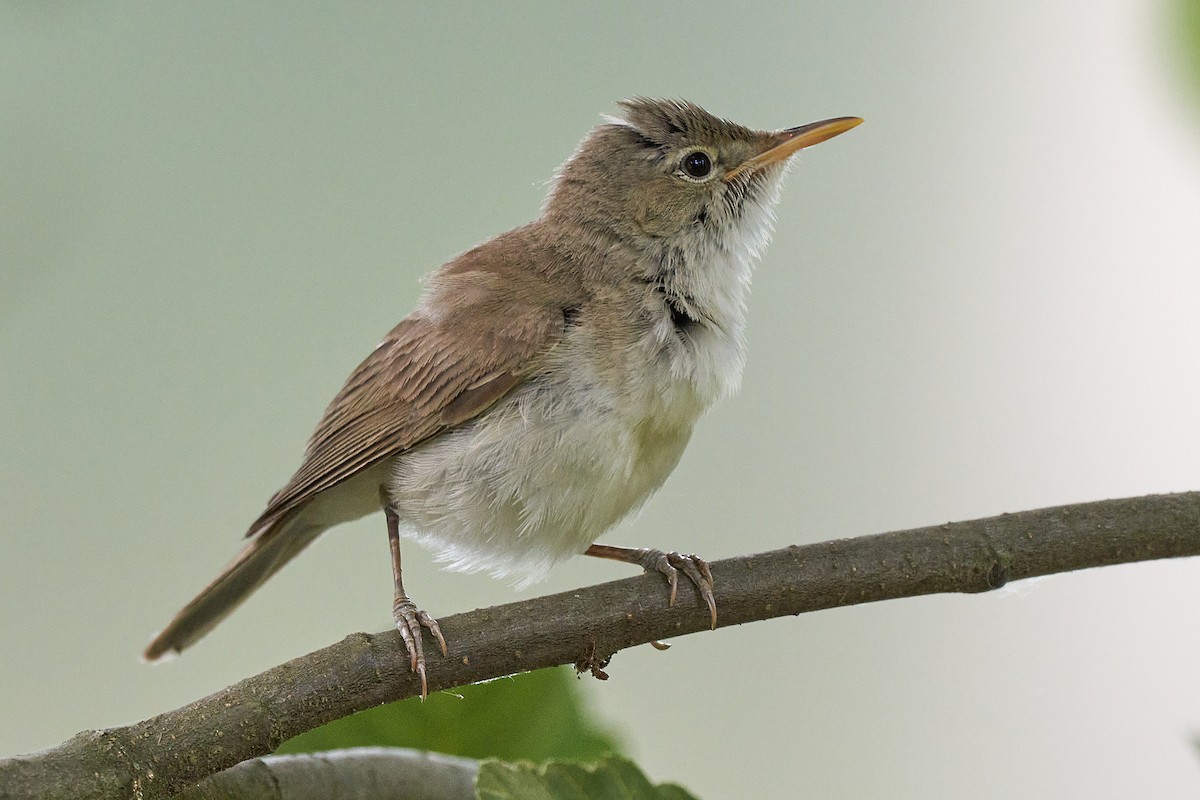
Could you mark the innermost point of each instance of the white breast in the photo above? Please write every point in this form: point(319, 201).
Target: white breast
point(543, 474)
point(536, 479)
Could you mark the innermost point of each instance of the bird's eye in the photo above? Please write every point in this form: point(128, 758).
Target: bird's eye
point(697, 164)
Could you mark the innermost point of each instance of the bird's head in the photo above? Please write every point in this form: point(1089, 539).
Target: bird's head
point(668, 168)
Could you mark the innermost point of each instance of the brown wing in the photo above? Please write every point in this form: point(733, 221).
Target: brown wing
point(426, 376)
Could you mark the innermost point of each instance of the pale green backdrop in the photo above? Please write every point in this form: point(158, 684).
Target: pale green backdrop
point(983, 300)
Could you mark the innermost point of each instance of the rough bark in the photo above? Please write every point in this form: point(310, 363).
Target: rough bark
point(163, 755)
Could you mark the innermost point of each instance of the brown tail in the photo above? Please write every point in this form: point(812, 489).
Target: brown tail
point(259, 560)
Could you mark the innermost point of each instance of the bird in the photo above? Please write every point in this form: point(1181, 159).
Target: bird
point(549, 379)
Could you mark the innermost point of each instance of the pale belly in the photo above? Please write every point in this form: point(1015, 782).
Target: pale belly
point(536, 479)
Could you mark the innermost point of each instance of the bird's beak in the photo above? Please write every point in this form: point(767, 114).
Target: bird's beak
point(793, 140)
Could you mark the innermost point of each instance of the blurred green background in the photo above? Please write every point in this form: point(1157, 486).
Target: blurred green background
point(983, 300)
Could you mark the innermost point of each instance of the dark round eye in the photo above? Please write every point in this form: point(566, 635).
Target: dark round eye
point(697, 164)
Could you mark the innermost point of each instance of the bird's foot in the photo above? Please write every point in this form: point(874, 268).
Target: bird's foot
point(409, 621)
point(671, 564)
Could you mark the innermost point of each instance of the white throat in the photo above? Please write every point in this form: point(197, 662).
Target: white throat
point(707, 272)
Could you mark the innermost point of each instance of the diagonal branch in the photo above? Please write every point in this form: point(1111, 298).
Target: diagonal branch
point(162, 755)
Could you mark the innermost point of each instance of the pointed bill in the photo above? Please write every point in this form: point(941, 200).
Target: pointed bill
point(793, 140)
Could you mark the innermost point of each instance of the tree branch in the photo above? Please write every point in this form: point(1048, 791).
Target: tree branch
point(356, 773)
point(165, 754)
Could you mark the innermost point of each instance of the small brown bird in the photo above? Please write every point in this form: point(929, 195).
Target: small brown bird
point(549, 379)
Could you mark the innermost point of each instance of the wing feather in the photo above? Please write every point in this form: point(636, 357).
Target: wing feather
point(426, 376)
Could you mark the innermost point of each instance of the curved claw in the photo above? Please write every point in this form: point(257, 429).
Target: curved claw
point(696, 568)
point(663, 564)
point(409, 621)
point(434, 628)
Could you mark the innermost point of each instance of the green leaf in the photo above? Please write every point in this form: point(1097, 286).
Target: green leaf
point(615, 778)
point(536, 716)
point(1184, 20)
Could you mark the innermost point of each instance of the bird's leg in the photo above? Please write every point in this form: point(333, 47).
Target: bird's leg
point(409, 618)
point(669, 564)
